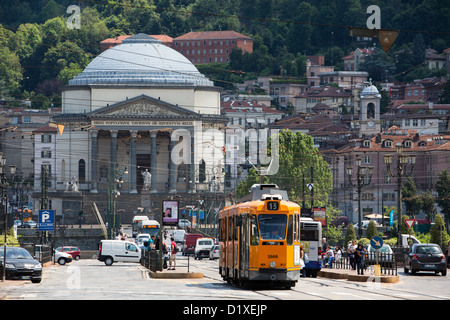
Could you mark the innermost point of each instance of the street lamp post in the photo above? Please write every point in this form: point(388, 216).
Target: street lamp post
point(115, 177)
point(402, 171)
point(363, 178)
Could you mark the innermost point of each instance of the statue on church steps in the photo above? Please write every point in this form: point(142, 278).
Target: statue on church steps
point(147, 176)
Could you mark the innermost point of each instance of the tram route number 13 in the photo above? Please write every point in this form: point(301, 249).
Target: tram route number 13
point(272, 206)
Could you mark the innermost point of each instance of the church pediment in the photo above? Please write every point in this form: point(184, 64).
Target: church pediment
point(142, 106)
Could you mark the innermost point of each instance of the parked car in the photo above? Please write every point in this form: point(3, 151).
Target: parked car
point(20, 265)
point(202, 248)
point(30, 224)
point(425, 257)
point(63, 257)
point(111, 251)
point(18, 223)
point(184, 223)
point(73, 251)
point(385, 257)
point(142, 238)
point(214, 253)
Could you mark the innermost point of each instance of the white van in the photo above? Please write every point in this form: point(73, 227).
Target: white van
point(202, 248)
point(111, 251)
point(178, 235)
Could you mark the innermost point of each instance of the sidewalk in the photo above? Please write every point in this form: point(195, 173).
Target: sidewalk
point(351, 275)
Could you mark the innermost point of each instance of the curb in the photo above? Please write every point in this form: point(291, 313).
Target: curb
point(175, 275)
point(358, 278)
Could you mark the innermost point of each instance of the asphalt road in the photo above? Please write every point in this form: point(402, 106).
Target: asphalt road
point(92, 280)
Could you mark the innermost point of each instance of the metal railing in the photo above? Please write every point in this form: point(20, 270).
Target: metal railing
point(387, 262)
point(153, 261)
point(43, 253)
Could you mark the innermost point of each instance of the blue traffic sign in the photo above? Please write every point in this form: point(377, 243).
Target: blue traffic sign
point(46, 220)
point(376, 242)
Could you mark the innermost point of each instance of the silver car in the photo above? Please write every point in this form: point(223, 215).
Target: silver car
point(385, 255)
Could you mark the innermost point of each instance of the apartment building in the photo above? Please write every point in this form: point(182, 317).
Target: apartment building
point(211, 46)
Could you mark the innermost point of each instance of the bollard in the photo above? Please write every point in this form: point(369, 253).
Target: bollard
point(377, 270)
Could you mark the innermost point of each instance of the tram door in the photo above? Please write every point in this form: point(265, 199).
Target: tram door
point(244, 245)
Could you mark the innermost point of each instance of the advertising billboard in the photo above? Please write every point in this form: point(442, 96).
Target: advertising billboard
point(170, 212)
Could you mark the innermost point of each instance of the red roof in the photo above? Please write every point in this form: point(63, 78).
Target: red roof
point(45, 129)
point(118, 40)
point(245, 107)
point(205, 35)
point(366, 52)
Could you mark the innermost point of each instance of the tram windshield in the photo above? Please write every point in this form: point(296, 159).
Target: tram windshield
point(272, 226)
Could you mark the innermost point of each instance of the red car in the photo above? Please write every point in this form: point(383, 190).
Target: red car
point(73, 251)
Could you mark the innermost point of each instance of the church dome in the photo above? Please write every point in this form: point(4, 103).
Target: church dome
point(141, 60)
point(370, 90)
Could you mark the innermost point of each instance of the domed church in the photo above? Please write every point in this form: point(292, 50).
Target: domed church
point(126, 112)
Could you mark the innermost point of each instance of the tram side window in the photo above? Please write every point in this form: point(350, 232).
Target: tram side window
point(289, 238)
point(296, 228)
point(236, 233)
point(220, 229)
point(254, 234)
point(230, 228)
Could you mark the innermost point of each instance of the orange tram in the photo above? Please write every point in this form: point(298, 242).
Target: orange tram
point(260, 239)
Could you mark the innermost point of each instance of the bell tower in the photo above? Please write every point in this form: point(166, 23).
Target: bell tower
point(370, 111)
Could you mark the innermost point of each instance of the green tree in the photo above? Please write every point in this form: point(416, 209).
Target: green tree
point(69, 72)
point(10, 239)
point(438, 236)
point(443, 190)
point(379, 65)
point(10, 70)
point(296, 157)
point(427, 202)
point(371, 230)
point(349, 235)
point(410, 198)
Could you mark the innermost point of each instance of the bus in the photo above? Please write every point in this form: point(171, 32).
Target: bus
point(311, 241)
point(135, 224)
point(259, 240)
point(149, 226)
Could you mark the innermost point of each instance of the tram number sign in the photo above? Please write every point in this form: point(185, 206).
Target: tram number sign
point(272, 205)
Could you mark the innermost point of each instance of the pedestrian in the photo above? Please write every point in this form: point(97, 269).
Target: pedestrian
point(302, 263)
point(329, 258)
point(164, 248)
point(173, 254)
point(359, 259)
point(337, 254)
point(448, 255)
point(351, 253)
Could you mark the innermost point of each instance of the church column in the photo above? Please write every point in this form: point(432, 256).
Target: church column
point(172, 168)
point(94, 161)
point(113, 164)
point(192, 184)
point(153, 165)
point(132, 169)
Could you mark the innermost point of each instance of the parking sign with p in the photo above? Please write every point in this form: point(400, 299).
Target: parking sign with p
point(46, 220)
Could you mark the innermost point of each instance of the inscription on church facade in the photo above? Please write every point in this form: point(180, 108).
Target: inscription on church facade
point(141, 123)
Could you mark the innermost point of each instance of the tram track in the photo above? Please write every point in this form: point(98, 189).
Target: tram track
point(374, 289)
point(329, 289)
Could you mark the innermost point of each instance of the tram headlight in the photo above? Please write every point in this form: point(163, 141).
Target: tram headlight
point(273, 264)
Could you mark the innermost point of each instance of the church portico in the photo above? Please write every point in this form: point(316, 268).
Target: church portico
point(137, 121)
point(136, 134)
